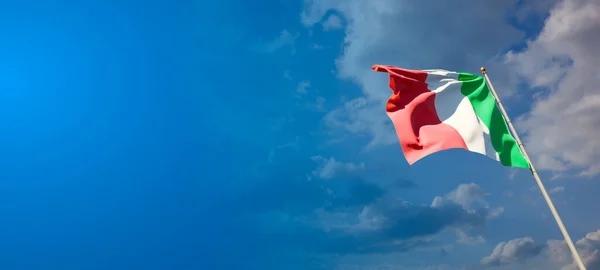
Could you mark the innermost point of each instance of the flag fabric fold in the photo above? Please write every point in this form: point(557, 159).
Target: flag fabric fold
point(435, 110)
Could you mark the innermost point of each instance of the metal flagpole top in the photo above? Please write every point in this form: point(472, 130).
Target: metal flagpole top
point(483, 70)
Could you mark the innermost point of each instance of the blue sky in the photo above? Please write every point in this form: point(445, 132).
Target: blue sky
point(252, 135)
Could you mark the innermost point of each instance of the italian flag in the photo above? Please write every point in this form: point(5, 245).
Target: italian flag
point(435, 110)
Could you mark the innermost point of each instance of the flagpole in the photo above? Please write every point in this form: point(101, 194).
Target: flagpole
point(574, 252)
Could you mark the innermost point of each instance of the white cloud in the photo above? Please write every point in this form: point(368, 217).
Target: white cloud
point(363, 116)
point(329, 167)
point(514, 251)
point(563, 125)
point(558, 251)
point(466, 219)
point(333, 22)
point(273, 151)
point(302, 88)
point(285, 39)
point(384, 32)
point(588, 247)
point(553, 190)
point(287, 75)
point(556, 190)
point(399, 267)
point(388, 224)
point(468, 196)
point(463, 237)
point(318, 105)
point(522, 249)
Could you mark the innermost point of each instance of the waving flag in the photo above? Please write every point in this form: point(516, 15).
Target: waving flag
point(435, 110)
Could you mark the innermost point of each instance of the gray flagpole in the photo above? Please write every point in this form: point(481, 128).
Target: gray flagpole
point(536, 176)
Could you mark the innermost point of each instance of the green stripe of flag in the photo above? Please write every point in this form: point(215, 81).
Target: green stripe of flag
point(484, 104)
